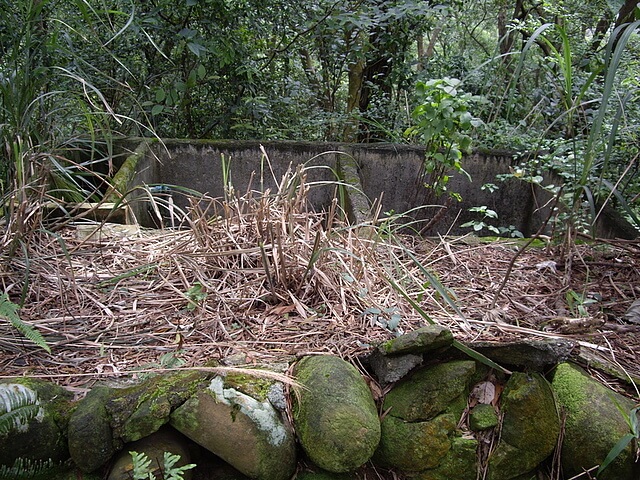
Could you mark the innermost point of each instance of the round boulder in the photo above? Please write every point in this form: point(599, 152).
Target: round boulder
point(530, 426)
point(594, 424)
point(335, 415)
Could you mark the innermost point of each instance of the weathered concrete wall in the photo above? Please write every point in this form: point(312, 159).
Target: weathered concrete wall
point(390, 171)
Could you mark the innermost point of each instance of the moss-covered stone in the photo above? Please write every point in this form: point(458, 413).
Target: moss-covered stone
point(593, 425)
point(33, 421)
point(335, 415)
point(430, 391)
point(422, 340)
point(91, 442)
point(246, 432)
point(530, 427)
point(460, 463)
point(140, 410)
point(482, 417)
point(414, 446)
point(325, 476)
point(253, 385)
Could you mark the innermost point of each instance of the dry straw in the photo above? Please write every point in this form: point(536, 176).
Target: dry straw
point(260, 278)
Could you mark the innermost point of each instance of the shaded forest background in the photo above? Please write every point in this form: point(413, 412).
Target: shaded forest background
point(560, 78)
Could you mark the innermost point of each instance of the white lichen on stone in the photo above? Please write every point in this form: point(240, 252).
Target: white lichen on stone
point(263, 415)
point(18, 406)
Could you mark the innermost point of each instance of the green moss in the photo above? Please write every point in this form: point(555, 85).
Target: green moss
point(325, 476)
point(91, 441)
point(482, 417)
point(335, 416)
point(594, 424)
point(414, 446)
point(187, 420)
point(572, 389)
point(154, 401)
point(530, 427)
point(252, 385)
point(430, 391)
point(459, 463)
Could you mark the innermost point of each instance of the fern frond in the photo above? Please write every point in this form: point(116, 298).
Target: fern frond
point(18, 406)
point(25, 468)
point(9, 311)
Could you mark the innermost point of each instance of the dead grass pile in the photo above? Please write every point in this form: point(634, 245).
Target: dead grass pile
point(259, 278)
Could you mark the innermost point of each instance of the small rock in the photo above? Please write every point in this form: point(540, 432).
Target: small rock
point(391, 369)
point(482, 417)
point(335, 415)
point(532, 355)
point(422, 340)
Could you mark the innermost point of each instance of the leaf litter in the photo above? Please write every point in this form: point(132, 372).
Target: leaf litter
point(261, 278)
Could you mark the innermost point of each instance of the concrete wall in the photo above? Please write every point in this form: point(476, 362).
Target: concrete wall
point(387, 170)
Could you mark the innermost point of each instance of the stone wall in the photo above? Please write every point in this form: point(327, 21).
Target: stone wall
point(419, 407)
point(388, 171)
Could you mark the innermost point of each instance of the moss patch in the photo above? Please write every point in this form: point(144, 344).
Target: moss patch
point(594, 424)
point(416, 446)
point(430, 391)
point(335, 416)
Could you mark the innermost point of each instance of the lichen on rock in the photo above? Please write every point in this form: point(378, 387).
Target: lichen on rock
point(246, 432)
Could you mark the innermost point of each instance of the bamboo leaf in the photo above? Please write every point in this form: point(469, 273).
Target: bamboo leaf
point(615, 451)
point(456, 344)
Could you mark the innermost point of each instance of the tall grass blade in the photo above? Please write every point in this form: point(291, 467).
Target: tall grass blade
point(456, 344)
point(615, 451)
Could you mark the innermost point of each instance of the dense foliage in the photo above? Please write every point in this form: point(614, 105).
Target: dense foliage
point(558, 77)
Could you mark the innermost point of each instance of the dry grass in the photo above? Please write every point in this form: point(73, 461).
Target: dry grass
point(260, 278)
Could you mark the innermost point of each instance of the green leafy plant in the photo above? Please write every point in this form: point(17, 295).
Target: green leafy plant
point(167, 360)
point(442, 123)
point(479, 225)
point(633, 435)
point(488, 214)
point(578, 303)
point(196, 294)
point(142, 469)
point(18, 406)
point(584, 156)
point(9, 311)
